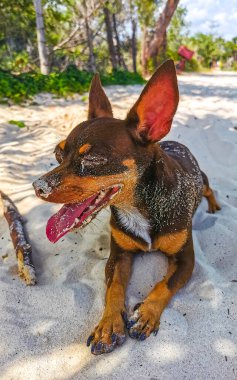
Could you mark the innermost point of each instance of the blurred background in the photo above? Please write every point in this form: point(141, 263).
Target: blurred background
point(56, 46)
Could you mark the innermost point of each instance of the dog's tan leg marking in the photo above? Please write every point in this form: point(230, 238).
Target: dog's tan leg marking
point(146, 316)
point(213, 206)
point(110, 330)
point(171, 243)
point(126, 242)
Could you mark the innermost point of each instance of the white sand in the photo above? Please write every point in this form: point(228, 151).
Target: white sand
point(43, 329)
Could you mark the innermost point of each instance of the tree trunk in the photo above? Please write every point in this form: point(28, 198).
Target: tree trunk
point(144, 59)
point(82, 6)
point(163, 47)
point(43, 54)
point(120, 60)
point(91, 60)
point(134, 46)
point(110, 41)
point(161, 27)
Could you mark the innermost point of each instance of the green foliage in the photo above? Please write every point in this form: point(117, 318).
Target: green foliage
point(17, 30)
point(178, 35)
point(205, 47)
point(192, 65)
point(210, 48)
point(153, 63)
point(121, 77)
point(19, 123)
point(234, 66)
point(146, 10)
point(177, 32)
point(17, 88)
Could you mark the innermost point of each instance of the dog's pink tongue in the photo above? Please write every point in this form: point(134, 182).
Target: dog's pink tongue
point(63, 221)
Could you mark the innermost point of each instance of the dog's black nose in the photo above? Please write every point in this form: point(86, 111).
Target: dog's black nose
point(42, 188)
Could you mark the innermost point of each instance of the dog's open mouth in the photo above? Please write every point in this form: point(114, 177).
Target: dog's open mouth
point(77, 215)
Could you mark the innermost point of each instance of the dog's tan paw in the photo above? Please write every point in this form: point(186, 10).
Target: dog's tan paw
point(108, 334)
point(213, 207)
point(143, 321)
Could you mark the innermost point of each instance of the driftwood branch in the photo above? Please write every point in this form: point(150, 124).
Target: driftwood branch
point(21, 245)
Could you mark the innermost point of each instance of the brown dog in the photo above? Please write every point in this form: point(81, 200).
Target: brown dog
point(153, 191)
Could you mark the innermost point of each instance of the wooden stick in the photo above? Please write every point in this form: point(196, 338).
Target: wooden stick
point(22, 247)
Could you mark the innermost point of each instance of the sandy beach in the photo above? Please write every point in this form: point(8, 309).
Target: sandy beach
point(43, 328)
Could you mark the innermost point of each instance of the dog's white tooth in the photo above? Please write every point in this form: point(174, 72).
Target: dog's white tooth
point(74, 223)
point(101, 196)
point(90, 208)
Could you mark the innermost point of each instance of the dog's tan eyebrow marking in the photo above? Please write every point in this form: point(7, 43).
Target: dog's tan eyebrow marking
point(61, 145)
point(129, 163)
point(84, 148)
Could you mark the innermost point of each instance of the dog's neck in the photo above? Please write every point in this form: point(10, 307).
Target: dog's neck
point(164, 199)
point(168, 191)
point(137, 219)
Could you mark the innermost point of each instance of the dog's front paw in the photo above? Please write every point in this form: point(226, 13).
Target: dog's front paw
point(108, 334)
point(144, 320)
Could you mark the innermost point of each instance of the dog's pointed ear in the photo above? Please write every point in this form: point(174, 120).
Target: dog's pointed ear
point(99, 105)
point(154, 110)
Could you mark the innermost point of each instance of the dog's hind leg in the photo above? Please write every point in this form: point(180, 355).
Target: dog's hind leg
point(208, 193)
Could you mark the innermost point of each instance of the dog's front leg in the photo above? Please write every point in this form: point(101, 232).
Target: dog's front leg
point(146, 316)
point(110, 331)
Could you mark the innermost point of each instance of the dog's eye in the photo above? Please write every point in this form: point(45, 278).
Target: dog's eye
point(90, 161)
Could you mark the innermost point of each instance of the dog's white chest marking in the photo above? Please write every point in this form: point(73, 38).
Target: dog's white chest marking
point(133, 221)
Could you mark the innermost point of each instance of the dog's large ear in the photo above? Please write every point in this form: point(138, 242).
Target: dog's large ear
point(154, 110)
point(99, 105)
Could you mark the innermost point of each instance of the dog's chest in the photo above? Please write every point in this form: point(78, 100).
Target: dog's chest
point(135, 223)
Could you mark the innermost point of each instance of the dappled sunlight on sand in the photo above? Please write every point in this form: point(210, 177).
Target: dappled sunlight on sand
point(226, 347)
point(43, 329)
point(59, 364)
